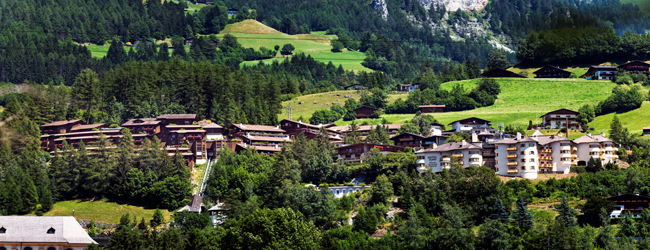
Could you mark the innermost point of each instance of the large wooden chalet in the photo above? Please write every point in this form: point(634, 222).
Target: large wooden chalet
point(407, 139)
point(357, 152)
point(501, 73)
point(632, 203)
point(608, 72)
point(550, 71)
point(559, 118)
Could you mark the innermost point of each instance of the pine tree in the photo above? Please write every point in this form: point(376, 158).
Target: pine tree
point(499, 212)
point(142, 225)
point(364, 221)
point(616, 130)
point(273, 100)
point(566, 213)
point(628, 226)
point(163, 53)
point(522, 216)
point(158, 219)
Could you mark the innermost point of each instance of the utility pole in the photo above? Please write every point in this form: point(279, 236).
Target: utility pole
point(290, 109)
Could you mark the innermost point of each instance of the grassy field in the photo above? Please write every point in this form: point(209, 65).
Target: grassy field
point(314, 102)
point(644, 5)
point(633, 120)
point(101, 211)
point(521, 100)
point(253, 34)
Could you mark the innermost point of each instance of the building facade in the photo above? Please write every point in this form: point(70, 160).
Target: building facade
point(357, 152)
point(432, 108)
point(472, 124)
point(550, 71)
point(365, 112)
point(559, 118)
point(632, 203)
point(42, 233)
point(407, 139)
point(522, 156)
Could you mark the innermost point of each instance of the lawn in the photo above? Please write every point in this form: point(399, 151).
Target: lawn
point(191, 6)
point(633, 120)
point(325, 100)
point(98, 51)
point(101, 211)
point(521, 100)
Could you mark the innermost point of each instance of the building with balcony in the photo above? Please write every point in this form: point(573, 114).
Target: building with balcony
point(472, 124)
point(60, 127)
point(405, 88)
point(560, 118)
point(609, 72)
point(295, 128)
point(523, 156)
point(365, 112)
point(595, 146)
point(363, 130)
point(407, 139)
point(437, 158)
point(633, 203)
point(550, 71)
point(357, 152)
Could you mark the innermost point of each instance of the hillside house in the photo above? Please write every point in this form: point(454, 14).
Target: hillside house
point(363, 130)
point(633, 203)
point(42, 232)
point(437, 158)
point(405, 88)
point(550, 71)
point(468, 125)
point(365, 112)
point(600, 73)
point(60, 127)
point(635, 67)
point(559, 118)
point(407, 139)
point(295, 128)
point(357, 152)
point(232, 11)
point(432, 108)
point(501, 73)
point(646, 131)
point(265, 139)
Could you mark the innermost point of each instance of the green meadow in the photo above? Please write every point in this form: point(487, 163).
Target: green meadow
point(102, 211)
point(520, 100)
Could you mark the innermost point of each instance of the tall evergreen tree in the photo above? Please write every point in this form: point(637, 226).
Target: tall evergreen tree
point(522, 216)
point(566, 213)
point(499, 212)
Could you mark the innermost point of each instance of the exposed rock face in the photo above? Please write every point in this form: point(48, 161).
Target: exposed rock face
point(380, 8)
point(453, 5)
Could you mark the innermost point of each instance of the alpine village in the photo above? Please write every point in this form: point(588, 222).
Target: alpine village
point(324, 124)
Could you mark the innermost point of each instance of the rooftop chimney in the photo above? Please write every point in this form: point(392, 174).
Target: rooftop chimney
point(602, 134)
point(434, 146)
point(463, 143)
point(518, 136)
point(474, 137)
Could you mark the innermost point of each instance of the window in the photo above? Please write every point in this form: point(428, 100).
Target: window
point(523, 160)
point(2, 230)
point(497, 162)
point(523, 145)
point(532, 153)
point(532, 167)
point(51, 231)
point(51, 248)
point(3, 248)
point(532, 160)
point(523, 153)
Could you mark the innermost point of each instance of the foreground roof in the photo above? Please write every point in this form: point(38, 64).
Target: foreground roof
point(177, 116)
point(250, 127)
point(60, 123)
point(34, 229)
point(473, 120)
point(450, 147)
point(562, 110)
point(592, 138)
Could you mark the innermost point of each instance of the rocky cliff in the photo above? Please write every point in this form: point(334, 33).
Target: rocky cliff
point(379, 6)
point(453, 5)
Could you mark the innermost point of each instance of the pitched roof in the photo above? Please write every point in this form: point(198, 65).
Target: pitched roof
point(267, 138)
point(592, 138)
point(249, 127)
point(366, 107)
point(646, 128)
point(183, 126)
point(450, 147)
point(562, 109)
point(537, 133)
point(60, 123)
point(407, 133)
point(177, 116)
point(211, 125)
point(181, 131)
point(432, 106)
point(35, 229)
point(637, 61)
point(628, 194)
point(550, 66)
point(142, 121)
point(364, 128)
point(88, 126)
point(437, 124)
point(472, 120)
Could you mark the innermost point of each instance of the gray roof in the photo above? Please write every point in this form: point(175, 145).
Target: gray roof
point(543, 140)
point(33, 229)
point(592, 138)
point(450, 147)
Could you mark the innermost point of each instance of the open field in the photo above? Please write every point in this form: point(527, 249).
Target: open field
point(633, 120)
point(644, 5)
point(316, 101)
point(253, 34)
point(191, 6)
point(521, 100)
point(101, 211)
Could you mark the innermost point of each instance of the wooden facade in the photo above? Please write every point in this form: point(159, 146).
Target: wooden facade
point(357, 152)
point(501, 73)
point(550, 71)
point(408, 140)
point(365, 112)
point(632, 203)
point(432, 108)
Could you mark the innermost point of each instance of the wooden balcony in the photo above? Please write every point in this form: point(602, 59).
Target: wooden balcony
point(513, 171)
point(512, 149)
point(546, 158)
point(574, 157)
point(573, 163)
point(445, 159)
point(512, 163)
point(574, 149)
point(615, 157)
point(546, 165)
point(512, 156)
point(546, 151)
point(459, 156)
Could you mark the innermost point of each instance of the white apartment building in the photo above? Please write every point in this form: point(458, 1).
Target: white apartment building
point(523, 156)
point(438, 158)
point(468, 125)
point(596, 146)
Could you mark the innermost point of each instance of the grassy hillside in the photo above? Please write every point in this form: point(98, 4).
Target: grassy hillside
point(522, 100)
point(101, 211)
point(253, 34)
point(633, 120)
point(644, 5)
point(318, 101)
